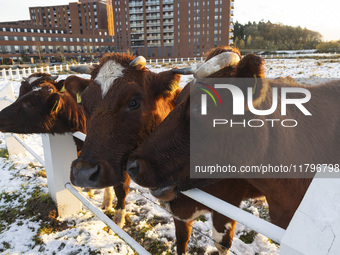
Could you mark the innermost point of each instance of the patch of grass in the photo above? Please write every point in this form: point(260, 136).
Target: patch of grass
point(5, 246)
point(196, 250)
point(201, 218)
point(154, 246)
point(4, 153)
point(39, 208)
point(248, 237)
point(41, 173)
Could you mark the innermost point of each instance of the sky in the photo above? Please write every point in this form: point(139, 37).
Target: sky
point(318, 15)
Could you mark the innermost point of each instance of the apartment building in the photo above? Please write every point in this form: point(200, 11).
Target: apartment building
point(172, 28)
point(82, 28)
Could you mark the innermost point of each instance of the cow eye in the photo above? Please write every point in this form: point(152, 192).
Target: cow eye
point(133, 104)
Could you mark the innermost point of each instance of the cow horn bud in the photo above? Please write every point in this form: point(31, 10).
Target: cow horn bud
point(82, 69)
point(139, 61)
point(217, 63)
point(54, 77)
point(187, 70)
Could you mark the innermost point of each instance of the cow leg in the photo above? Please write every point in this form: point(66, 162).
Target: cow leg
point(107, 199)
point(223, 232)
point(183, 232)
point(121, 191)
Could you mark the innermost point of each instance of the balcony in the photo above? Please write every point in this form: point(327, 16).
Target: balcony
point(137, 18)
point(153, 31)
point(168, 9)
point(135, 4)
point(136, 25)
point(154, 38)
point(150, 24)
point(149, 17)
point(153, 10)
point(152, 3)
point(137, 39)
point(136, 11)
point(168, 37)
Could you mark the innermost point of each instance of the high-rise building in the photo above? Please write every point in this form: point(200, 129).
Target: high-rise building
point(78, 29)
point(172, 28)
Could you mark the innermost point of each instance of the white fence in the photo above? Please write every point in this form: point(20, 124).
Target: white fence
point(12, 74)
point(314, 229)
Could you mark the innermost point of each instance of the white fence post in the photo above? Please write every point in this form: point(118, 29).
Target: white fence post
point(156, 61)
point(4, 76)
point(24, 72)
point(67, 68)
point(47, 69)
point(17, 73)
point(13, 146)
point(61, 68)
point(163, 60)
point(42, 69)
point(11, 73)
point(314, 228)
point(55, 69)
point(35, 70)
point(60, 151)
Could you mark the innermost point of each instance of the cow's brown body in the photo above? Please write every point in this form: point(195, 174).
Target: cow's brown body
point(114, 132)
point(316, 140)
point(123, 104)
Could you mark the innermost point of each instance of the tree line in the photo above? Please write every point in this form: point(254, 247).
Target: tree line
point(270, 36)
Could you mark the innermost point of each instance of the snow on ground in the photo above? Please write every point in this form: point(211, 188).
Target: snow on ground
point(23, 182)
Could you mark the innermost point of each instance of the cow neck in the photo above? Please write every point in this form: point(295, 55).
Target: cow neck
point(71, 114)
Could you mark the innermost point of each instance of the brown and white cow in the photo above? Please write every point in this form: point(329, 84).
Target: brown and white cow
point(42, 108)
point(124, 103)
point(315, 140)
point(124, 108)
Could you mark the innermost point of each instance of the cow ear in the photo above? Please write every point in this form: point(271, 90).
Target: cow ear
point(53, 103)
point(251, 67)
point(165, 83)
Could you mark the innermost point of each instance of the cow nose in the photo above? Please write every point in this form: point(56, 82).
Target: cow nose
point(133, 168)
point(86, 174)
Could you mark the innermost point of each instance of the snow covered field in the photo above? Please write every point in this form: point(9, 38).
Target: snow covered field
point(29, 226)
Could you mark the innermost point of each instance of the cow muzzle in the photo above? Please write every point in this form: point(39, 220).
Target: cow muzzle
point(138, 173)
point(86, 174)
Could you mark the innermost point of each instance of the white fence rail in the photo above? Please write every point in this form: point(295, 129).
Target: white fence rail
point(314, 228)
point(18, 73)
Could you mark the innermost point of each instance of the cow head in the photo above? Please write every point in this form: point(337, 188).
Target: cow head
point(34, 81)
point(162, 161)
point(123, 105)
point(43, 109)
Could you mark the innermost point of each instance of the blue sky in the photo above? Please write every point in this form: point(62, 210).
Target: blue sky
point(319, 15)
